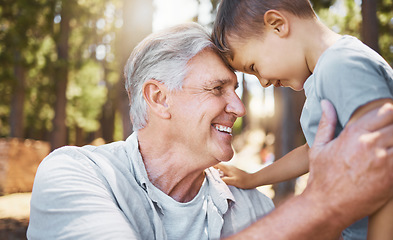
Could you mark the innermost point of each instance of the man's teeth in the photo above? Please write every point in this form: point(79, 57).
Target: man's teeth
point(223, 129)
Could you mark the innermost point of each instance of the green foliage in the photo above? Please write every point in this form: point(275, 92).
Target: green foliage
point(322, 4)
point(118, 134)
point(237, 126)
point(87, 91)
point(31, 29)
point(86, 94)
point(22, 25)
point(385, 16)
point(345, 17)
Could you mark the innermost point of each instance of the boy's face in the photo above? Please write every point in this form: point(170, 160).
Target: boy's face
point(274, 60)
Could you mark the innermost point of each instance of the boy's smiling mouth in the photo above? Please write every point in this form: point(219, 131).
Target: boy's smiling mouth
point(278, 84)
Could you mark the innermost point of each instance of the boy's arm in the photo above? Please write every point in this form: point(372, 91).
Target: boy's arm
point(380, 223)
point(293, 164)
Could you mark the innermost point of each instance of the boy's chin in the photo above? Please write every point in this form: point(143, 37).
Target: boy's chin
point(297, 89)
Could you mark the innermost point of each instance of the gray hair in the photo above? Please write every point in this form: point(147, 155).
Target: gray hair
point(162, 56)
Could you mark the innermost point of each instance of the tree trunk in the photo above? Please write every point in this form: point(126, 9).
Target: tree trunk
point(107, 120)
point(246, 102)
point(79, 136)
point(137, 19)
point(288, 105)
point(18, 99)
point(59, 131)
point(370, 25)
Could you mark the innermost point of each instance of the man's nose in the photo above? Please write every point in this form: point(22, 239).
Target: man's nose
point(235, 106)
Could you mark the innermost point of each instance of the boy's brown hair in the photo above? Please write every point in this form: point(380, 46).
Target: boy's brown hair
point(245, 18)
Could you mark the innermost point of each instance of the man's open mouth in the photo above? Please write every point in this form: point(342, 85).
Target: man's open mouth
point(222, 128)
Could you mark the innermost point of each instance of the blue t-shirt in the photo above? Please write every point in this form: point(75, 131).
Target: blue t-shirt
point(349, 74)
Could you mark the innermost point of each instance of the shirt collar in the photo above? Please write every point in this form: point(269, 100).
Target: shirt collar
point(136, 162)
point(218, 190)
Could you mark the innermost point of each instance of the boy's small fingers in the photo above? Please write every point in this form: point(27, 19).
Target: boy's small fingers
point(227, 180)
point(218, 165)
point(221, 167)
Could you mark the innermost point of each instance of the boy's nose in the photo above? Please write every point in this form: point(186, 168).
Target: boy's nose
point(264, 82)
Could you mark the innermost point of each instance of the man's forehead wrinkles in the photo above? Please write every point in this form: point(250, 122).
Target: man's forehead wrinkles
point(220, 81)
point(214, 81)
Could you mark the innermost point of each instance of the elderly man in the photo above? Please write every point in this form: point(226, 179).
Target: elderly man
point(159, 184)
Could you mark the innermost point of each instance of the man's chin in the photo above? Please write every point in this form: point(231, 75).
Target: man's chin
point(226, 156)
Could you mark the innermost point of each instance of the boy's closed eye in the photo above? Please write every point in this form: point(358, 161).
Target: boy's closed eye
point(252, 68)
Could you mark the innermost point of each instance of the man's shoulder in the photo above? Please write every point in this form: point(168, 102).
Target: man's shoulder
point(254, 197)
point(87, 152)
point(93, 159)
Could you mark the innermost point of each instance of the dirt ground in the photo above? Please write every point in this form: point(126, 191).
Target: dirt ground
point(14, 216)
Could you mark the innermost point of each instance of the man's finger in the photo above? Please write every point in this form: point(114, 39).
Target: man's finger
point(377, 118)
point(385, 137)
point(327, 124)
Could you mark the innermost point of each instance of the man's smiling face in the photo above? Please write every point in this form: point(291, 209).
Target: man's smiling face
point(206, 108)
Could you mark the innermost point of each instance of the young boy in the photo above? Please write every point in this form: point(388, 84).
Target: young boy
point(284, 44)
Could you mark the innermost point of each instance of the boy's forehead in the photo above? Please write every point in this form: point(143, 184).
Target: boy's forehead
point(238, 63)
point(244, 53)
point(238, 57)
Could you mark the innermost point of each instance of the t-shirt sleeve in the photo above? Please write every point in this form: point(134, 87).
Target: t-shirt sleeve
point(71, 200)
point(349, 80)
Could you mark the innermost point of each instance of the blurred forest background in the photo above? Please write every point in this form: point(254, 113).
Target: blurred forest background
point(61, 67)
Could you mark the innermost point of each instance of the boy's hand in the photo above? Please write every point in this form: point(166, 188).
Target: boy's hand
point(234, 176)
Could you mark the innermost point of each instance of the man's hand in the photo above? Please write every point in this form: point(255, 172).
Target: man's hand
point(353, 174)
point(350, 177)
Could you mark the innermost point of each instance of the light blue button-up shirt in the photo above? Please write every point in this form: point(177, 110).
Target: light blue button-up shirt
point(104, 193)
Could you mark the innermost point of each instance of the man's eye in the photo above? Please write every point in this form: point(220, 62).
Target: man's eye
point(217, 90)
point(237, 85)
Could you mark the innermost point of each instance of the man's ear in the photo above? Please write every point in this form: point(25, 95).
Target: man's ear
point(276, 21)
point(155, 94)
